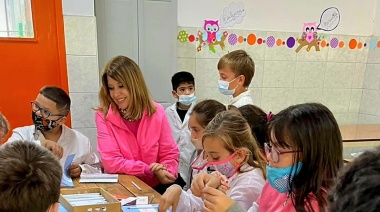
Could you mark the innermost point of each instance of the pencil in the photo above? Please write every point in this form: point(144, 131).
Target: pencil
point(136, 186)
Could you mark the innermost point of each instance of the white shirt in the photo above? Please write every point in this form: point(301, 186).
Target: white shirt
point(245, 188)
point(71, 141)
point(181, 135)
point(242, 99)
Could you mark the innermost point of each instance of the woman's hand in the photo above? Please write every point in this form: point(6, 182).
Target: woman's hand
point(215, 200)
point(170, 199)
point(202, 180)
point(164, 176)
point(154, 167)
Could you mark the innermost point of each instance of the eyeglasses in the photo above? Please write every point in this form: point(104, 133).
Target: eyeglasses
point(274, 153)
point(44, 113)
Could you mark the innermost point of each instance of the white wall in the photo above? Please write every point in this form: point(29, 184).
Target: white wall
point(376, 23)
point(284, 16)
point(78, 7)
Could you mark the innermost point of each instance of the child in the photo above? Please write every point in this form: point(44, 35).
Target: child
point(178, 114)
point(49, 114)
point(304, 154)
point(357, 187)
point(202, 113)
point(230, 149)
point(257, 120)
point(30, 178)
point(4, 127)
point(236, 70)
point(134, 135)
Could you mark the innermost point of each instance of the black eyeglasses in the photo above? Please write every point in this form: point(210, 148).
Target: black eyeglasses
point(44, 113)
point(275, 153)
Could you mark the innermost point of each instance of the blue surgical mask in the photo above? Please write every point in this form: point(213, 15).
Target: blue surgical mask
point(223, 87)
point(186, 99)
point(279, 177)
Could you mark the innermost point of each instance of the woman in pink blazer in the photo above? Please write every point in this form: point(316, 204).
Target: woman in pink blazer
point(134, 136)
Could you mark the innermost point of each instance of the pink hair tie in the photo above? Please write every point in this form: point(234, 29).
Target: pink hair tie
point(269, 116)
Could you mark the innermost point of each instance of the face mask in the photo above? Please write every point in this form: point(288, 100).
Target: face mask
point(186, 99)
point(224, 167)
point(279, 177)
point(197, 143)
point(223, 87)
point(39, 123)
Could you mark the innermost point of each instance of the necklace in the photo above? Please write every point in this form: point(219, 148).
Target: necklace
point(125, 116)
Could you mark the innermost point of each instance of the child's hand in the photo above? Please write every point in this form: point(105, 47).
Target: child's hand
point(224, 187)
point(74, 170)
point(170, 198)
point(164, 176)
point(56, 149)
point(154, 167)
point(215, 200)
point(202, 180)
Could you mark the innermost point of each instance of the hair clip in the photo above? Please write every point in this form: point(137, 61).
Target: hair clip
point(269, 116)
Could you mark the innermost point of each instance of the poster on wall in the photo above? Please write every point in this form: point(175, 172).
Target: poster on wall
point(232, 15)
point(329, 20)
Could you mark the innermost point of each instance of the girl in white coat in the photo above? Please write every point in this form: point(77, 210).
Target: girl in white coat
point(231, 150)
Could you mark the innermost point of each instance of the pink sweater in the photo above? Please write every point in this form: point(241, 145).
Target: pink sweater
point(124, 153)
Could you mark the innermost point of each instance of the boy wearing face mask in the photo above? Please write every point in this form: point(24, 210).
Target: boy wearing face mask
point(236, 70)
point(178, 114)
point(49, 113)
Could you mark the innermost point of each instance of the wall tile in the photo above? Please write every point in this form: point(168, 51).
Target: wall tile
point(83, 73)
point(256, 51)
point(210, 93)
point(279, 74)
point(341, 118)
point(187, 49)
point(337, 100)
point(359, 73)
point(368, 119)
point(356, 97)
point(372, 76)
point(207, 72)
point(303, 95)
point(187, 64)
point(363, 52)
point(374, 53)
point(280, 52)
point(310, 74)
point(344, 54)
point(352, 118)
point(82, 105)
point(256, 96)
point(276, 99)
point(339, 75)
point(80, 35)
point(257, 80)
point(370, 102)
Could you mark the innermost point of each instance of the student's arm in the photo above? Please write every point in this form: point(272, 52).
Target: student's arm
point(179, 200)
point(168, 152)
point(21, 134)
point(110, 153)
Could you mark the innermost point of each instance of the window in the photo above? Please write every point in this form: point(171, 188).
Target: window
point(16, 19)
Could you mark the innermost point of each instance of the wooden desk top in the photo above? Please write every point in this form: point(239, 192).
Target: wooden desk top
point(360, 132)
point(124, 187)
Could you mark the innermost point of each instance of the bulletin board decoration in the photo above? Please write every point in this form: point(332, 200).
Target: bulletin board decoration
point(211, 36)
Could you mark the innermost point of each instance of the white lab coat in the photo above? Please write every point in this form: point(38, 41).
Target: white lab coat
point(242, 99)
point(245, 188)
point(71, 141)
point(181, 135)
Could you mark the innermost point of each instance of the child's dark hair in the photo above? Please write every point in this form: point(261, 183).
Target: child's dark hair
point(182, 77)
point(59, 96)
point(257, 121)
point(358, 185)
point(207, 109)
point(312, 131)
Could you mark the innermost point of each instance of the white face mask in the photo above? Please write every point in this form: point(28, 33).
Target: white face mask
point(223, 87)
point(197, 143)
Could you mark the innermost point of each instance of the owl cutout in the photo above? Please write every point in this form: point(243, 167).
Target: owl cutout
point(309, 32)
point(212, 33)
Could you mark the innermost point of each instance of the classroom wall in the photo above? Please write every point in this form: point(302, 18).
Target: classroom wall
point(334, 76)
point(82, 64)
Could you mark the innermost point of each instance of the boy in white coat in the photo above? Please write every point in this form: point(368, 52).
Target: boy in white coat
point(49, 113)
point(178, 114)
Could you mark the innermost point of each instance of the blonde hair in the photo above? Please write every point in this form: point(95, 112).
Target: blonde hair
point(240, 63)
point(231, 127)
point(4, 127)
point(127, 72)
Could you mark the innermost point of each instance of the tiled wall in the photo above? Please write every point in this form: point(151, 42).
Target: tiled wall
point(332, 76)
point(82, 68)
point(370, 103)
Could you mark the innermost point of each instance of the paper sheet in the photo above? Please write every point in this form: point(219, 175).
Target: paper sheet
point(66, 179)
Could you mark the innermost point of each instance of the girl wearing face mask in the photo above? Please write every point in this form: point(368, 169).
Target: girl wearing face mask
point(304, 154)
point(230, 149)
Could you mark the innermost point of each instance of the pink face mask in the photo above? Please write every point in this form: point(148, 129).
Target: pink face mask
point(224, 167)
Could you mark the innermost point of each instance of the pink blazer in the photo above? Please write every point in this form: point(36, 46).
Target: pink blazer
point(121, 152)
